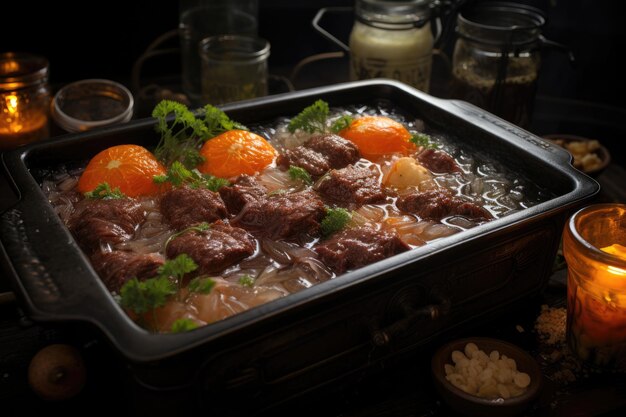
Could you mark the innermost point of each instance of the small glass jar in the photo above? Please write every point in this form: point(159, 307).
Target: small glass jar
point(392, 39)
point(496, 58)
point(89, 104)
point(234, 68)
point(594, 246)
point(24, 99)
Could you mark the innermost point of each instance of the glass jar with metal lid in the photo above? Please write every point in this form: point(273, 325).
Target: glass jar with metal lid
point(392, 39)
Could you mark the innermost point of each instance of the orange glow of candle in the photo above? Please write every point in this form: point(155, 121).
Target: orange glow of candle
point(596, 302)
point(24, 99)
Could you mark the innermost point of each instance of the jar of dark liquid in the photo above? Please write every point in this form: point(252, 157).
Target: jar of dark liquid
point(496, 58)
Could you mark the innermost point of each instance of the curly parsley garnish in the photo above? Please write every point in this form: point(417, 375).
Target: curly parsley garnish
point(246, 281)
point(297, 173)
point(183, 325)
point(423, 140)
point(201, 285)
point(182, 134)
point(178, 175)
point(335, 220)
point(143, 296)
point(104, 192)
point(314, 118)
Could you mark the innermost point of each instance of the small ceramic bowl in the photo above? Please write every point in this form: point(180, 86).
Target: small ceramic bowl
point(601, 152)
point(469, 404)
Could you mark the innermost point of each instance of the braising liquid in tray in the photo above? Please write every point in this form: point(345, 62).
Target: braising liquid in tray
point(272, 227)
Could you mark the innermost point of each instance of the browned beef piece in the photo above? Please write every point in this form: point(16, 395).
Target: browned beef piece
point(184, 207)
point(308, 159)
point(357, 247)
point(117, 267)
point(245, 191)
point(339, 151)
point(321, 153)
point(440, 203)
point(438, 161)
point(110, 221)
point(285, 215)
point(214, 249)
point(351, 186)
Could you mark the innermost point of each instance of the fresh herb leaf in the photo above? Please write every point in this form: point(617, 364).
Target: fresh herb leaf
point(201, 285)
point(246, 281)
point(104, 192)
point(312, 119)
point(341, 123)
point(423, 140)
point(217, 122)
point(143, 296)
point(182, 135)
point(177, 267)
point(178, 175)
point(183, 325)
point(335, 220)
point(297, 173)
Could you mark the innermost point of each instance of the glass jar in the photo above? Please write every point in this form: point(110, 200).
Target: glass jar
point(392, 39)
point(496, 58)
point(24, 99)
point(594, 246)
point(89, 104)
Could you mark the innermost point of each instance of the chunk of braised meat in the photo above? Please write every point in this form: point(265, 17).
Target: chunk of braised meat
point(214, 249)
point(117, 267)
point(357, 247)
point(351, 186)
point(339, 151)
point(282, 216)
point(308, 159)
point(184, 207)
point(321, 153)
point(438, 161)
point(440, 203)
point(245, 191)
point(109, 221)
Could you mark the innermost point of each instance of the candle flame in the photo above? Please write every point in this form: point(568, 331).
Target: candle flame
point(12, 103)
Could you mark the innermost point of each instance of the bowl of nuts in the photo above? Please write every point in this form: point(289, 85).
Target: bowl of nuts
point(486, 377)
point(589, 155)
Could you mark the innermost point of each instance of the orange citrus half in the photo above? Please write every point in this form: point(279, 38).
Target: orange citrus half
point(127, 167)
point(236, 152)
point(378, 135)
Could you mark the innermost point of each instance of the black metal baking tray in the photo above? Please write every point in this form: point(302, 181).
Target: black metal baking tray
point(281, 349)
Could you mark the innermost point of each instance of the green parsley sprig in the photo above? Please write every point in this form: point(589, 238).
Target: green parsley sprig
point(314, 118)
point(297, 173)
point(201, 285)
point(182, 134)
point(423, 140)
point(183, 325)
point(178, 175)
point(335, 220)
point(143, 296)
point(246, 281)
point(104, 192)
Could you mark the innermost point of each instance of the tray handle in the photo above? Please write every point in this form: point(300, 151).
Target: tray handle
point(35, 251)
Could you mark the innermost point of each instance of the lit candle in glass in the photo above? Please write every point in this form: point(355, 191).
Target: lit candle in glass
point(24, 99)
point(594, 246)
